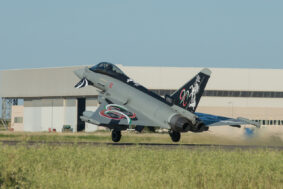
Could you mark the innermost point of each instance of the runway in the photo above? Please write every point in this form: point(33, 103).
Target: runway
point(147, 145)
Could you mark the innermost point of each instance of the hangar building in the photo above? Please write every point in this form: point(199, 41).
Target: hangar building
point(51, 101)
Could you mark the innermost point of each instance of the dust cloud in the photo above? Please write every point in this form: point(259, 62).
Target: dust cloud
point(266, 135)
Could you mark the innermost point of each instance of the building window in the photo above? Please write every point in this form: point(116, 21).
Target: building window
point(18, 120)
point(227, 93)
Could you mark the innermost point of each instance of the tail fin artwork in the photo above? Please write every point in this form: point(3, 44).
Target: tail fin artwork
point(188, 96)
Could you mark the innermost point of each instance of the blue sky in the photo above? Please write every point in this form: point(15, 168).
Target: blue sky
point(183, 33)
point(205, 33)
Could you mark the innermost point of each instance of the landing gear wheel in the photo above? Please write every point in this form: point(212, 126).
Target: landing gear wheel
point(175, 136)
point(116, 136)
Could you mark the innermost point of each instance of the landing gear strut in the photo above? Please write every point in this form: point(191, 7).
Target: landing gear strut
point(175, 136)
point(116, 136)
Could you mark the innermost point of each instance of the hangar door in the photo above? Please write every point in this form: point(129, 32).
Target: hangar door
point(81, 109)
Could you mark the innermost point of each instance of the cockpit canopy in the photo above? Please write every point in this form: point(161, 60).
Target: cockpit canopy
point(108, 69)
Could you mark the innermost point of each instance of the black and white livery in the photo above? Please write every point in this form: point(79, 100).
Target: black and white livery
point(125, 103)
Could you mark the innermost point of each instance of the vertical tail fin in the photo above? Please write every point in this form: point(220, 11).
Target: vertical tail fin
point(188, 96)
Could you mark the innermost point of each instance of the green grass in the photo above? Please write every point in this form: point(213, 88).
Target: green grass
point(187, 138)
point(137, 167)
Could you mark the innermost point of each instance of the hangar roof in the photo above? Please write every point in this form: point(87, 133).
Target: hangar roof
point(59, 82)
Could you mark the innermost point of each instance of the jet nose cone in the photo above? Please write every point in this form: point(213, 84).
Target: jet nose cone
point(79, 73)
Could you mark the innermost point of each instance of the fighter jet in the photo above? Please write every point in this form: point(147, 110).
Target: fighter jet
point(125, 103)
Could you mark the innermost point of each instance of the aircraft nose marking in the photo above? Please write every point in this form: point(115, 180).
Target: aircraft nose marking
point(82, 83)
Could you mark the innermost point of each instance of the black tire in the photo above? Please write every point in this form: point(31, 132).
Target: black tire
point(116, 136)
point(175, 136)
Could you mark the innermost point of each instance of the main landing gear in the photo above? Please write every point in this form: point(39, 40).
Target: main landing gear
point(175, 136)
point(116, 136)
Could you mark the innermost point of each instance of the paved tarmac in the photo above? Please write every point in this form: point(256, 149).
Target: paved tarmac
point(150, 145)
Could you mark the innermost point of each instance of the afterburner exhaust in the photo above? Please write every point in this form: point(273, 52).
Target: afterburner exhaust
point(180, 124)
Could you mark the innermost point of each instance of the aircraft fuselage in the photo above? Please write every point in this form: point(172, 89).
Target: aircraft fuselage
point(136, 97)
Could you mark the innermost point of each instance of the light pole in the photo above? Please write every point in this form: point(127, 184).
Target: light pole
point(232, 108)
